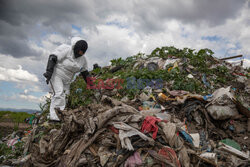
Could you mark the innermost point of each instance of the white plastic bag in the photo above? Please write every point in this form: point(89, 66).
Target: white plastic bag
point(222, 106)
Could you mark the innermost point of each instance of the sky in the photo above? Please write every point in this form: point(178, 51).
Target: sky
point(31, 29)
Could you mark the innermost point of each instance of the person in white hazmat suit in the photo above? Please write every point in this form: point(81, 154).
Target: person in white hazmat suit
point(62, 65)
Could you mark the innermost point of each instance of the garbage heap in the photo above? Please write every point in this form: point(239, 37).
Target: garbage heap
point(199, 116)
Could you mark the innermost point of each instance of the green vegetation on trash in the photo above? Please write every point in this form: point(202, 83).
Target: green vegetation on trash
point(202, 63)
point(79, 98)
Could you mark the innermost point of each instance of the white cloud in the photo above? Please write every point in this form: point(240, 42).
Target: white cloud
point(24, 97)
point(51, 41)
point(25, 91)
point(110, 41)
point(56, 38)
point(29, 87)
point(17, 75)
point(31, 98)
point(33, 66)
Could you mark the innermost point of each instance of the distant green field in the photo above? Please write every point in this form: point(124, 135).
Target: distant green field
point(16, 117)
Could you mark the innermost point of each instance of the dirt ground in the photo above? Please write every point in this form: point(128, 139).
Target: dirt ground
point(7, 128)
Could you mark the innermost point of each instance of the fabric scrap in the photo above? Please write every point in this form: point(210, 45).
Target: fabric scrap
point(149, 125)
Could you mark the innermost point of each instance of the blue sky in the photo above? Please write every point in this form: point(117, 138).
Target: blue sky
point(112, 30)
point(211, 38)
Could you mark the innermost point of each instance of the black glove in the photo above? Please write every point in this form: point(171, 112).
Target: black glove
point(85, 75)
point(50, 67)
point(95, 66)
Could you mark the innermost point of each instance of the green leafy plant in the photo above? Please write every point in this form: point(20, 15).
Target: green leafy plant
point(79, 94)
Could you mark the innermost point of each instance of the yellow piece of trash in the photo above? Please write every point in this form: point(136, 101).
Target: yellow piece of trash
point(170, 68)
point(175, 65)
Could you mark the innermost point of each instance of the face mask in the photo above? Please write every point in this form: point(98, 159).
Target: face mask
point(80, 46)
point(76, 53)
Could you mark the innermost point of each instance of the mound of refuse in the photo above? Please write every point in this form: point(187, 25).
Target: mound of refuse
point(174, 107)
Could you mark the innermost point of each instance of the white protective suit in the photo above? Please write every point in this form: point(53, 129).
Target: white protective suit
point(66, 67)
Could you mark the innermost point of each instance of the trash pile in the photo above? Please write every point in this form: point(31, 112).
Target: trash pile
point(194, 112)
